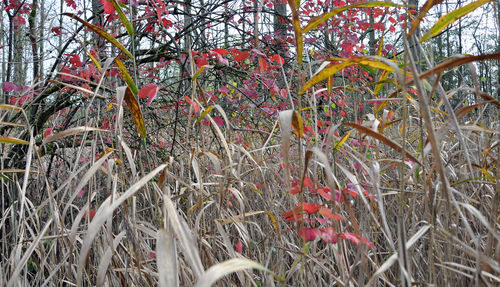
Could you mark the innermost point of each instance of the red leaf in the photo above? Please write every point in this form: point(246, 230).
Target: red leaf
point(149, 91)
point(202, 61)
point(92, 214)
point(56, 30)
point(325, 193)
point(222, 52)
point(195, 106)
point(109, 8)
point(277, 58)
point(242, 56)
point(238, 247)
point(308, 182)
point(71, 3)
point(47, 132)
point(75, 61)
point(262, 64)
point(293, 217)
point(356, 239)
point(310, 208)
point(351, 236)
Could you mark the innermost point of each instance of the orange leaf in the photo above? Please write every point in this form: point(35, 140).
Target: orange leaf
point(135, 109)
point(326, 212)
point(262, 64)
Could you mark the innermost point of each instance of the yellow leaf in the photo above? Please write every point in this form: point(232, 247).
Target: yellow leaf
point(128, 26)
point(342, 141)
point(101, 33)
point(331, 69)
point(451, 17)
point(126, 76)
point(422, 12)
point(9, 140)
point(204, 114)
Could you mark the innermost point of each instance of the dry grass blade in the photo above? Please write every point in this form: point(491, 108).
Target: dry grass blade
point(220, 270)
point(22, 263)
point(103, 214)
point(394, 257)
point(10, 107)
point(483, 220)
point(286, 132)
point(383, 139)
point(299, 39)
point(78, 88)
point(462, 60)
point(14, 170)
point(106, 259)
point(12, 124)
point(130, 158)
point(166, 258)
point(184, 236)
point(70, 132)
point(465, 110)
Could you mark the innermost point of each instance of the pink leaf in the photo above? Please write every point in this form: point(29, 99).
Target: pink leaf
point(219, 121)
point(328, 235)
point(9, 87)
point(149, 91)
point(310, 234)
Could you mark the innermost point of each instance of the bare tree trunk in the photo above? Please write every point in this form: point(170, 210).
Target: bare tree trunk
point(19, 72)
point(256, 20)
point(371, 41)
point(279, 24)
point(41, 36)
point(34, 40)
point(226, 27)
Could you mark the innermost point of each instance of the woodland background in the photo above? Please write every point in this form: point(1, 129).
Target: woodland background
point(250, 143)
